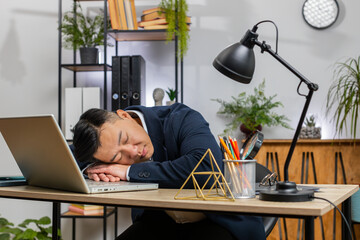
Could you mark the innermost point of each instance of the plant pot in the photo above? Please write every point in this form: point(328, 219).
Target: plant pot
point(247, 131)
point(89, 55)
point(310, 132)
point(168, 103)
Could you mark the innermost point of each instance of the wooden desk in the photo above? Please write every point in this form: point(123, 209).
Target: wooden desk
point(164, 199)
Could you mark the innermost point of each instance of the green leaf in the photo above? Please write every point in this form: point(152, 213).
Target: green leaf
point(252, 110)
point(14, 231)
point(82, 31)
point(176, 14)
point(171, 94)
point(5, 222)
point(4, 236)
point(44, 221)
point(27, 234)
point(343, 98)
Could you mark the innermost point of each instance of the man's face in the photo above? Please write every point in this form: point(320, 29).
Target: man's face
point(124, 141)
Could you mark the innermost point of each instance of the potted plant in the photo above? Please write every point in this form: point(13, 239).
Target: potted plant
point(24, 231)
point(343, 98)
point(252, 112)
point(84, 33)
point(310, 130)
point(177, 26)
point(172, 95)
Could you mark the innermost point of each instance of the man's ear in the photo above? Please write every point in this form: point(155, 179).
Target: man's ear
point(122, 114)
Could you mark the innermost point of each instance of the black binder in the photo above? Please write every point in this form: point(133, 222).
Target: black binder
point(137, 85)
point(115, 84)
point(125, 82)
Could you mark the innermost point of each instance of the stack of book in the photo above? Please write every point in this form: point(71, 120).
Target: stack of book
point(155, 18)
point(84, 209)
point(122, 14)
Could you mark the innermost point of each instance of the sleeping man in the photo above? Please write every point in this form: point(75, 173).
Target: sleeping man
point(159, 145)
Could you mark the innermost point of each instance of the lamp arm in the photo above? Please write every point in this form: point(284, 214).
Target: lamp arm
point(266, 48)
point(311, 86)
point(296, 135)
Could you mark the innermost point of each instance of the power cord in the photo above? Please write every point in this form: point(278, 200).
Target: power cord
point(342, 215)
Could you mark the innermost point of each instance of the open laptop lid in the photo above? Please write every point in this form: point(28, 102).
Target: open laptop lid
point(42, 153)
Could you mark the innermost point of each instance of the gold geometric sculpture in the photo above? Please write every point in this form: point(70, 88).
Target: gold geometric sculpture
point(218, 191)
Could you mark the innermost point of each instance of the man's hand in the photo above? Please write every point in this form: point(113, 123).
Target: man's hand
point(107, 172)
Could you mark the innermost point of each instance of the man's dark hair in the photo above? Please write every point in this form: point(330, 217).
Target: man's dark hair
point(86, 133)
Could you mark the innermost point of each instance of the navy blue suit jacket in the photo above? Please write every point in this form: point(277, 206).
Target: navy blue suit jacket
point(180, 137)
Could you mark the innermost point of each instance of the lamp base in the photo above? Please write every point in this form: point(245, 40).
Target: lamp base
point(286, 192)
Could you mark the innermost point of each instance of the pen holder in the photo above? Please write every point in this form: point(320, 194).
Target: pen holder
point(240, 176)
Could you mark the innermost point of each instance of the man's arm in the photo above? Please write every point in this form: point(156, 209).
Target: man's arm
point(108, 172)
point(96, 176)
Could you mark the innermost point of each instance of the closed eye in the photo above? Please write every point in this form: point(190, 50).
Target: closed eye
point(119, 142)
point(125, 142)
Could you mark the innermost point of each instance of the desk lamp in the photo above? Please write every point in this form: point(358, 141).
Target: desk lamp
point(238, 63)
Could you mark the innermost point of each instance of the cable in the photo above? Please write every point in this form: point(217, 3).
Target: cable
point(276, 29)
point(342, 215)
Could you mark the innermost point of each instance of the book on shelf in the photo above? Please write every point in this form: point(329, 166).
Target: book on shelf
point(153, 22)
point(86, 209)
point(159, 26)
point(128, 13)
point(157, 21)
point(114, 15)
point(152, 16)
point(150, 10)
point(122, 14)
point(153, 27)
point(87, 206)
point(121, 11)
point(155, 15)
point(133, 14)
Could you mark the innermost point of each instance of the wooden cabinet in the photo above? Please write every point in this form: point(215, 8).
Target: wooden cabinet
point(324, 152)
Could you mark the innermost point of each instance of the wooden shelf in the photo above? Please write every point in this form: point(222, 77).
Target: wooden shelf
point(86, 67)
point(138, 35)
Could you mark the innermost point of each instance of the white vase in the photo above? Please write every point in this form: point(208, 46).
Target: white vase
point(168, 103)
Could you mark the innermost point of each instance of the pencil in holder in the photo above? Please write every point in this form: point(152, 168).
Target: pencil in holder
point(240, 176)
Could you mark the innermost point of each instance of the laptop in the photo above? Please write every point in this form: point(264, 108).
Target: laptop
point(45, 159)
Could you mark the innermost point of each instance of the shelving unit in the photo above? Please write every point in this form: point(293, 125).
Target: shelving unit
point(119, 36)
point(108, 211)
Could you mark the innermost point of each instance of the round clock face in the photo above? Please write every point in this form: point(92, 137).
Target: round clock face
point(320, 14)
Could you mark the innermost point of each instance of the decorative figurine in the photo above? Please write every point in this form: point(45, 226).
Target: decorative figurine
point(158, 96)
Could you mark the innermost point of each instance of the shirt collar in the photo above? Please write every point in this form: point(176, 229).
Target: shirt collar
point(140, 115)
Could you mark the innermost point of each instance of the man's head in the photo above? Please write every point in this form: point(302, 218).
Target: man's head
point(111, 137)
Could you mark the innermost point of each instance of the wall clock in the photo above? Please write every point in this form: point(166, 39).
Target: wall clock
point(320, 14)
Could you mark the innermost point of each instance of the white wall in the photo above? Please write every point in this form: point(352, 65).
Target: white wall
point(29, 60)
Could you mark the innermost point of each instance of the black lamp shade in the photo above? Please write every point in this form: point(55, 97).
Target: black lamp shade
point(236, 62)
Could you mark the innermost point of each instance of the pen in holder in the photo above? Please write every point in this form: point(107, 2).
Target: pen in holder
point(240, 176)
point(239, 166)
